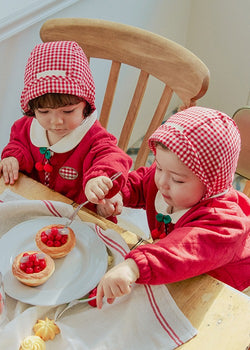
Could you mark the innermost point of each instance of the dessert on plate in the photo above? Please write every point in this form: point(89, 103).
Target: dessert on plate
point(32, 342)
point(46, 329)
point(33, 268)
point(55, 241)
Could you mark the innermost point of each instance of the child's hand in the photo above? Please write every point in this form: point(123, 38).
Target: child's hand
point(117, 282)
point(112, 206)
point(97, 188)
point(9, 167)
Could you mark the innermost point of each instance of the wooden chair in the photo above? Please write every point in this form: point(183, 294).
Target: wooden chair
point(180, 71)
point(242, 119)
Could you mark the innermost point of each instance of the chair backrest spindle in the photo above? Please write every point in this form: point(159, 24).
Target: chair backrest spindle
point(133, 110)
point(109, 93)
point(155, 122)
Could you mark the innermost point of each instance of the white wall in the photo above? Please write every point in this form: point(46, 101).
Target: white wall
point(219, 35)
point(215, 30)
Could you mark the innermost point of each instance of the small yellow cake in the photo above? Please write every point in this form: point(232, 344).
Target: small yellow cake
point(32, 342)
point(46, 329)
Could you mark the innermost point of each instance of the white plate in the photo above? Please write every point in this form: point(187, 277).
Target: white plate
point(75, 275)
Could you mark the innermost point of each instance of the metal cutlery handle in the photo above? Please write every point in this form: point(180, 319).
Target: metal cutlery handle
point(58, 313)
point(76, 212)
point(115, 176)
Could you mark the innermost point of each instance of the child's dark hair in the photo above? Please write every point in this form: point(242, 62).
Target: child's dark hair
point(54, 100)
point(158, 143)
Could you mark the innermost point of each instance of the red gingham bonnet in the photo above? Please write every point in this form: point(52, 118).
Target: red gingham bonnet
point(58, 67)
point(207, 141)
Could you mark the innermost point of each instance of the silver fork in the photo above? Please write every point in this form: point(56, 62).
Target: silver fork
point(73, 215)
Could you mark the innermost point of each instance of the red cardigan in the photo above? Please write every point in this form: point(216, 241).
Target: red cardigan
point(212, 237)
point(96, 154)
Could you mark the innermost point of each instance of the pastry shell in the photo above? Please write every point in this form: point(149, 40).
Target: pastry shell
point(56, 252)
point(36, 278)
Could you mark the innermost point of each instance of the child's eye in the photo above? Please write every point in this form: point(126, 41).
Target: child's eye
point(178, 181)
point(68, 111)
point(158, 168)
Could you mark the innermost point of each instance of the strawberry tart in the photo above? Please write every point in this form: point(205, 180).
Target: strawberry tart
point(33, 268)
point(55, 241)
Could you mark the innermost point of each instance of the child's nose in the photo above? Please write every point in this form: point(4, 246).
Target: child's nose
point(164, 181)
point(56, 119)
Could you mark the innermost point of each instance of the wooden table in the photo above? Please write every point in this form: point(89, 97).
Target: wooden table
point(219, 313)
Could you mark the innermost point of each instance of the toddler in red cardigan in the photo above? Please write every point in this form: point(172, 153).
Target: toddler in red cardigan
point(59, 141)
point(198, 221)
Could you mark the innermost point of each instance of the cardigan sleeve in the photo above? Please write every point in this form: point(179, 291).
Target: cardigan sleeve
point(19, 144)
point(137, 188)
point(105, 158)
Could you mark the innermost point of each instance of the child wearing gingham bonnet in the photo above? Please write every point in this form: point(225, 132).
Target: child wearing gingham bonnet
point(87, 153)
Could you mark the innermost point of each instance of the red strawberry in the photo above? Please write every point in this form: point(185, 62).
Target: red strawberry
point(37, 269)
point(42, 264)
point(57, 244)
point(44, 239)
point(23, 266)
point(54, 231)
point(50, 243)
point(58, 237)
point(64, 239)
point(36, 262)
point(29, 270)
point(32, 257)
point(92, 294)
point(29, 264)
point(51, 236)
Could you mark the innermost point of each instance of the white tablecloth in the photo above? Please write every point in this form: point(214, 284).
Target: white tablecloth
point(147, 318)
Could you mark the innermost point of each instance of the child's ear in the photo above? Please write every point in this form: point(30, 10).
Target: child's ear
point(86, 110)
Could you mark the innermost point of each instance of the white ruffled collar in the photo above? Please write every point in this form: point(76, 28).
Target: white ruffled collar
point(162, 207)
